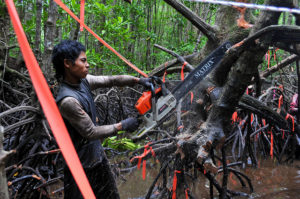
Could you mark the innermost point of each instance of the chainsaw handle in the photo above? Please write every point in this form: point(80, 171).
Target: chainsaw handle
point(156, 80)
point(152, 89)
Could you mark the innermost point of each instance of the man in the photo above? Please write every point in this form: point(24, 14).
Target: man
point(78, 110)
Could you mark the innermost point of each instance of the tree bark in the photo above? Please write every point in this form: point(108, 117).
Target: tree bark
point(148, 40)
point(39, 6)
point(287, 61)
point(50, 28)
point(4, 41)
point(3, 157)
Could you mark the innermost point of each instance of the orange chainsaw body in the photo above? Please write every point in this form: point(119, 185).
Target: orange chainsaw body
point(143, 105)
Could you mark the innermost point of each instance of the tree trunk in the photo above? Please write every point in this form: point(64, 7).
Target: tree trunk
point(4, 24)
point(50, 30)
point(39, 6)
point(148, 40)
point(242, 72)
point(3, 157)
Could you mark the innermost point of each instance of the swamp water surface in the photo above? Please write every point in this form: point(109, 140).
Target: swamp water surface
point(269, 181)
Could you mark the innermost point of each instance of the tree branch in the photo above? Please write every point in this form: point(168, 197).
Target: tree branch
point(159, 71)
point(272, 34)
point(18, 74)
point(179, 58)
point(279, 66)
point(3, 156)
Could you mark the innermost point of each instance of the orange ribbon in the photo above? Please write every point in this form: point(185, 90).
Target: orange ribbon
point(165, 73)
point(292, 118)
point(192, 97)
point(275, 53)
point(144, 161)
point(175, 184)
point(234, 182)
point(280, 101)
point(186, 193)
point(164, 77)
point(82, 14)
point(271, 148)
point(180, 127)
point(269, 57)
point(146, 151)
point(242, 122)
point(264, 122)
point(63, 6)
point(140, 157)
point(49, 106)
point(182, 70)
point(234, 117)
point(182, 78)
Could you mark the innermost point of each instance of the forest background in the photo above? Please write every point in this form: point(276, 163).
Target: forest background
point(132, 29)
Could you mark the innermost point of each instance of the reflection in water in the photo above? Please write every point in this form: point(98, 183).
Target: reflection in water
point(270, 181)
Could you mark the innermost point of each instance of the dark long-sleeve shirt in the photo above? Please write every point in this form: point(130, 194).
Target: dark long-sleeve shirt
point(74, 113)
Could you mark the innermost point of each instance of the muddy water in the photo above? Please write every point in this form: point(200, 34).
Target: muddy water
point(270, 181)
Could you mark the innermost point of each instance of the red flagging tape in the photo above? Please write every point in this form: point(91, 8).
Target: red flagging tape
point(165, 73)
point(288, 116)
point(187, 192)
point(49, 106)
point(175, 184)
point(192, 97)
point(182, 78)
point(182, 71)
point(271, 144)
point(82, 14)
point(269, 58)
point(280, 101)
point(63, 6)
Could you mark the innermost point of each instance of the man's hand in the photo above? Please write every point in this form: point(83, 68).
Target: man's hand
point(130, 124)
point(146, 82)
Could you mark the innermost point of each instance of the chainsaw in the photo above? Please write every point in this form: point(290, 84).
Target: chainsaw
point(155, 105)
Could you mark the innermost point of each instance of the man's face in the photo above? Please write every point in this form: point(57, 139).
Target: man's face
point(79, 69)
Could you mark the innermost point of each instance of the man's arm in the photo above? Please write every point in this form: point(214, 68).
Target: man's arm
point(72, 111)
point(110, 81)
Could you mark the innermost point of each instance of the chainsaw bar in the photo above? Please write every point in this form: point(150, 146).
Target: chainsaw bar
point(201, 71)
point(164, 106)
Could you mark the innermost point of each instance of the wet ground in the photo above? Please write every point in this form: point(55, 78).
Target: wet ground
point(270, 181)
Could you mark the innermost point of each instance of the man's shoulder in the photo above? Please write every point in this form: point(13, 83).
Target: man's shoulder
point(68, 102)
point(65, 91)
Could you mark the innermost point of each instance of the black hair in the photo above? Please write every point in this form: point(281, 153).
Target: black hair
point(66, 49)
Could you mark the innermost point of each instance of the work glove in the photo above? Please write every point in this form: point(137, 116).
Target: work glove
point(146, 82)
point(130, 124)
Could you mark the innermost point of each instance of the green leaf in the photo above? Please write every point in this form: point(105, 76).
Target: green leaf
point(120, 132)
point(101, 6)
point(122, 144)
